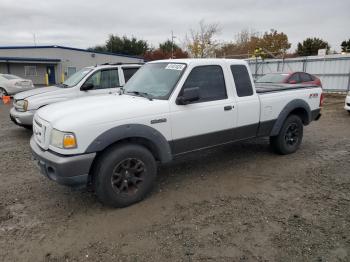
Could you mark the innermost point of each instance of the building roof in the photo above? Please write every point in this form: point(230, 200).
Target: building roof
point(68, 48)
point(30, 59)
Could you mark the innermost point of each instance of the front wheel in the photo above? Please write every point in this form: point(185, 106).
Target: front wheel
point(124, 175)
point(290, 136)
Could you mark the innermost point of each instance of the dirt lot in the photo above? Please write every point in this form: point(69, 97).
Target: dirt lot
point(240, 202)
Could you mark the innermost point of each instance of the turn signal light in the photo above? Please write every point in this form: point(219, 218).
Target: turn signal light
point(321, 100)
point(69, 141)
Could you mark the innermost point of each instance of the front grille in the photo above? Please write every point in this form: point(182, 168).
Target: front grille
point(39, 131)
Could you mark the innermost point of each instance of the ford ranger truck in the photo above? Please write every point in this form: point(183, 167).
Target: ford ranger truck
point(169, 108)
point(89, 81)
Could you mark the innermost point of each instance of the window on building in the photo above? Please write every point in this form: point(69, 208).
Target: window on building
point(30, 71)
point(210, 81)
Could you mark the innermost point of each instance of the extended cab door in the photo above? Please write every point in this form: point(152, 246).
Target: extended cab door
point(104, 81)
point(247, 101)
point(208, 121)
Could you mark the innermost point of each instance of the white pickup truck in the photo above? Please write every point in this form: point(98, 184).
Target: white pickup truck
point(169, 108)
point(93, 80)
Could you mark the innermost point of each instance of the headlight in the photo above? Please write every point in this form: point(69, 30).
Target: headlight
point(64, 140)
point(22, 105)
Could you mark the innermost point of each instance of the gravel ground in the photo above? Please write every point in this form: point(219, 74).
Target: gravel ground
point(239, 202)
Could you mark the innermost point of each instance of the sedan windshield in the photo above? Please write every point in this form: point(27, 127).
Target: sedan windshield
point(155, 80)
point(272, 78)
point(10, 77)
point(76, 77)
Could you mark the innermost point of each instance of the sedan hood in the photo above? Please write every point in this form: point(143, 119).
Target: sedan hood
point(99, 110)
point(36, 91)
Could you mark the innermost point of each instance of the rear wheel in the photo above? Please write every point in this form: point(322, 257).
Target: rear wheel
point(290, 136)
point(2, 92)
point(124, 175)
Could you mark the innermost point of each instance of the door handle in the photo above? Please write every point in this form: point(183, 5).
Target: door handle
point(227, 108)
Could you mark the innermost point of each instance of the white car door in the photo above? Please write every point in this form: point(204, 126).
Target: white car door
point(104, 81)
point(210, 120)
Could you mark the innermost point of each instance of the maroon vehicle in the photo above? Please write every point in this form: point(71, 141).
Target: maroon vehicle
point(290, 78)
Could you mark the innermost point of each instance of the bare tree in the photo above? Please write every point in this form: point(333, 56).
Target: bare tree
point(201, 43)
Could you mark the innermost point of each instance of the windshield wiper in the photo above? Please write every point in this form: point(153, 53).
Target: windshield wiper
point(142, 94)
point(62, 85)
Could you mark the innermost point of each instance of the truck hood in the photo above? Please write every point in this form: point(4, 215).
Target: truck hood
point(38, 91)
point(99, 110)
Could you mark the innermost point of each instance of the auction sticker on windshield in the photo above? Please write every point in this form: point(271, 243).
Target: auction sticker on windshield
point(175, 67)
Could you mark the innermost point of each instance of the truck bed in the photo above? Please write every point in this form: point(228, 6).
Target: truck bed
point(268, 88)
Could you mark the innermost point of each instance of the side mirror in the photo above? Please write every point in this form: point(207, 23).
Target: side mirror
point(189, 95)
point(292, 82)
point(87, 86)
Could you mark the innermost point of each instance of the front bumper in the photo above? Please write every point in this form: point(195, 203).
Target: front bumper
point(347, 103)
point(65, 170)
point(22, 118)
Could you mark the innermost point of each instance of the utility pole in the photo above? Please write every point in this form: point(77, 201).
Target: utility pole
point(172, 44)
point(34, 39)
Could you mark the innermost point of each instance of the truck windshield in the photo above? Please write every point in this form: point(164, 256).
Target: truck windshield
point(75, 78)
point(272, 78)
point(156, 80)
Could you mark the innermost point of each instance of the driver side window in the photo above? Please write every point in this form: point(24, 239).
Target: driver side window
point(104, 79)
point(210, 81)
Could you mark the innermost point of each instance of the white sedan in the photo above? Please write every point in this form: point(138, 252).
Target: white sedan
point(11, 84)
point(347, 102)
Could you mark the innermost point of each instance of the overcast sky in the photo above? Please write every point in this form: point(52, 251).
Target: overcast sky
point(83, 23)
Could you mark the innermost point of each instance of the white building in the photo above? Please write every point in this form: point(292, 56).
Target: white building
point(53, 64)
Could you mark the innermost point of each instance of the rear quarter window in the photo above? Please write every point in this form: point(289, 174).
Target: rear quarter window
point(242, 80)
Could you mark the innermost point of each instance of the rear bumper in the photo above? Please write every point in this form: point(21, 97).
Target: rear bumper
point(65, 170)
point(316, 114)
point(22, 118)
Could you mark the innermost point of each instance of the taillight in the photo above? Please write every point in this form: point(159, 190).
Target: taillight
point(321, 100)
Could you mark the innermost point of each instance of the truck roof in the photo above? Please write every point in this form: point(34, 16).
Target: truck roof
point(204, 61)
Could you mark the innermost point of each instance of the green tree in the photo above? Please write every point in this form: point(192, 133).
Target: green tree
point(345, 46)
point(167, 46)
point(310, 46)
point(123, 45)
point(251, 43)
point(274, 43)
point(165, 51)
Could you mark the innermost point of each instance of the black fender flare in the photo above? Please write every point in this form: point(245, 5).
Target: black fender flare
point(291, 106)
point(122, 132)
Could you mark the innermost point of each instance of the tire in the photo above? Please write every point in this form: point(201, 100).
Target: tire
point(2, 92)
point(124, 175)
point(290, 136)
